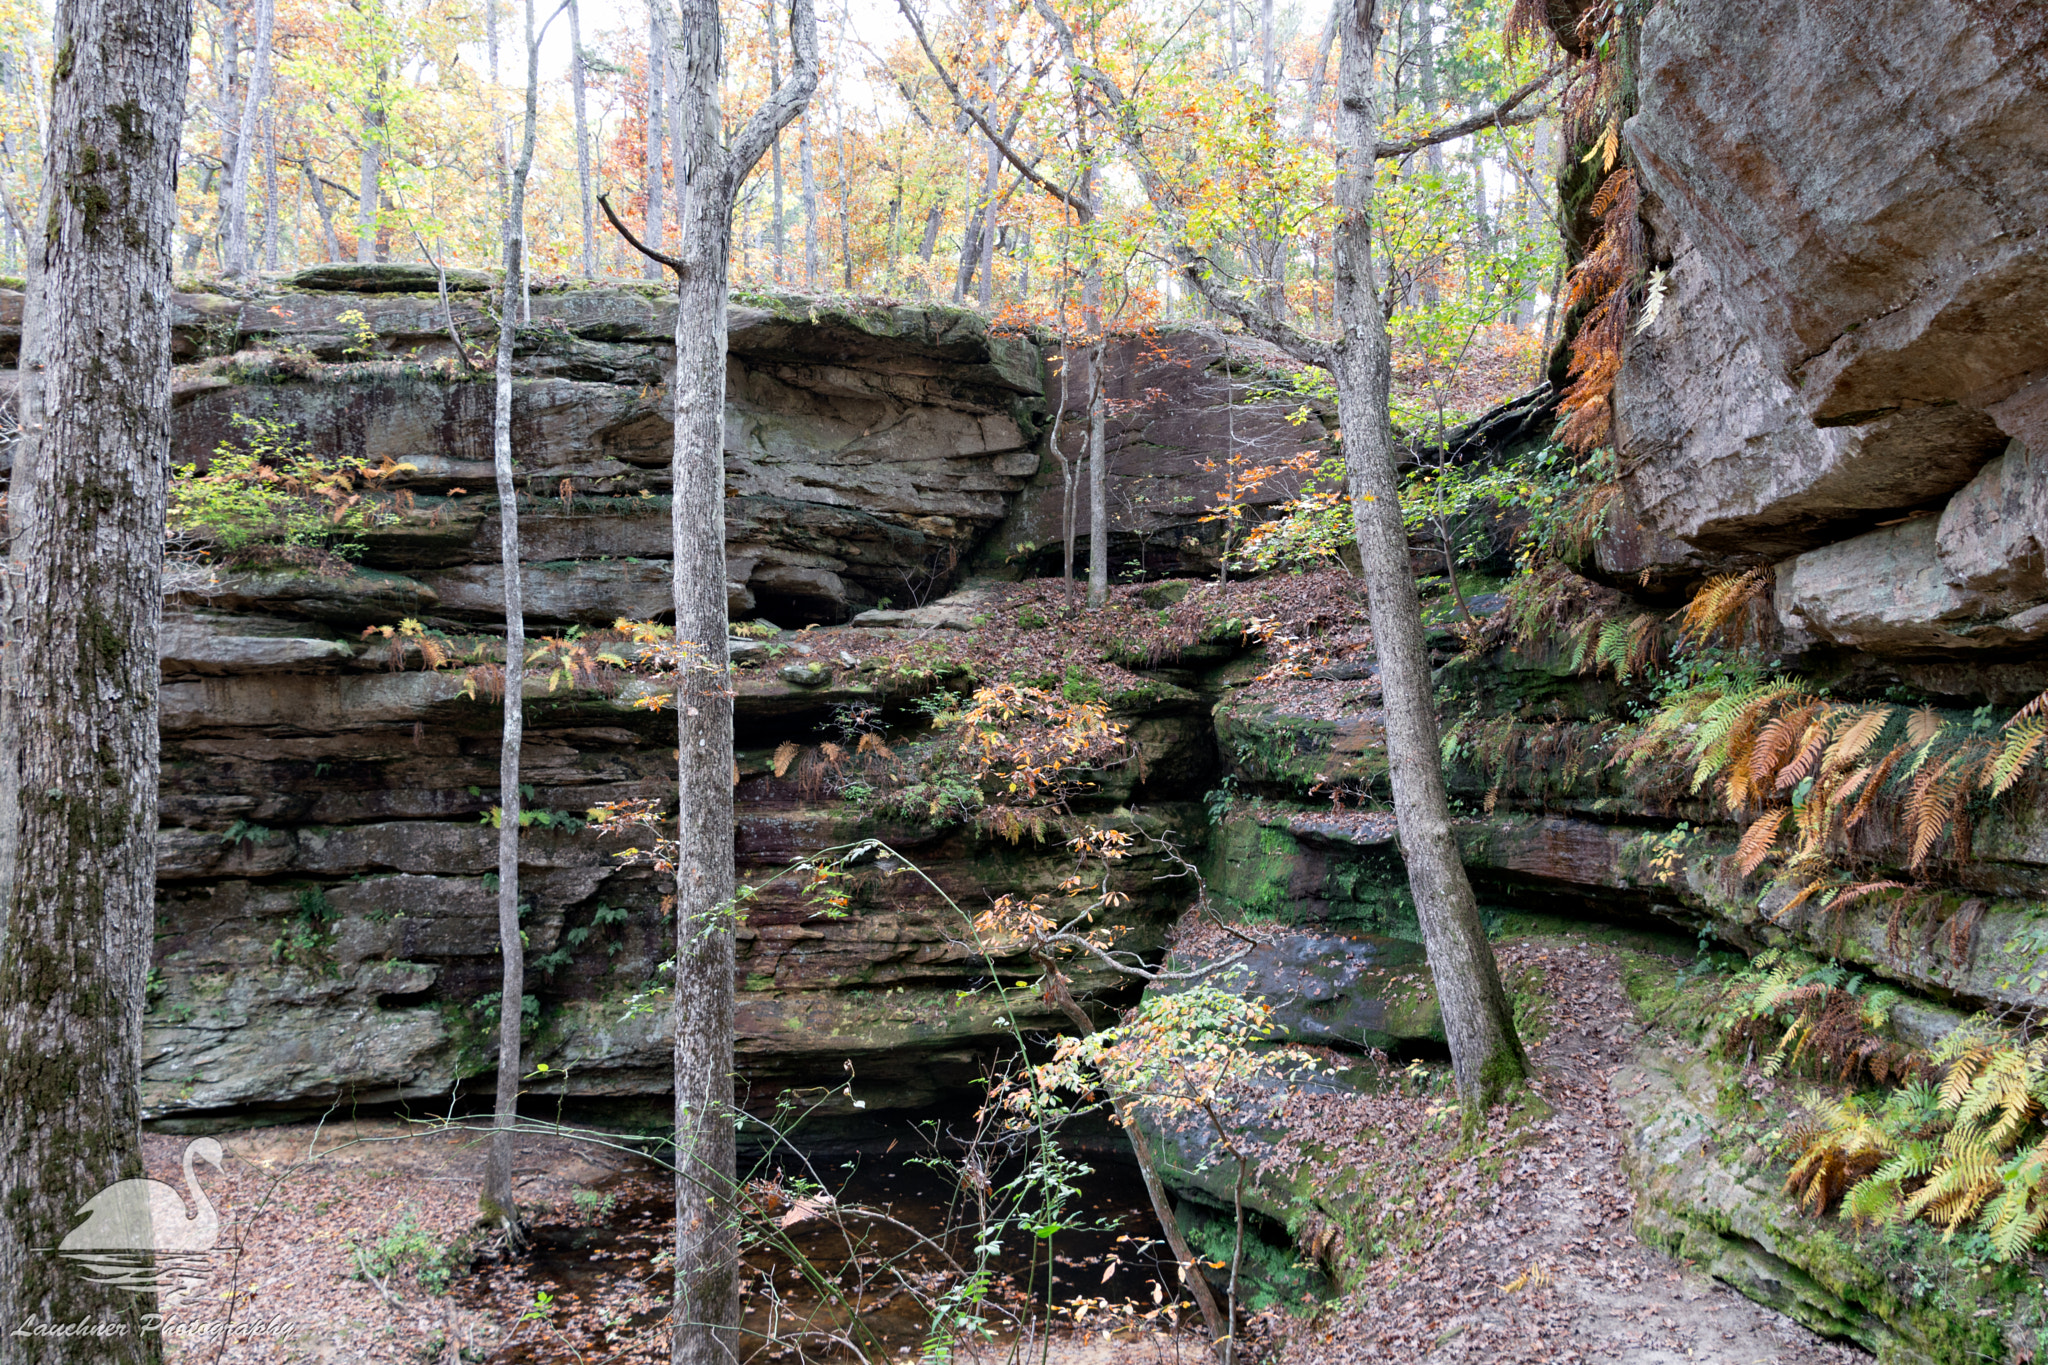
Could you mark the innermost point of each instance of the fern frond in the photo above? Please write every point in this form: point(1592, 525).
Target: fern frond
point(2015, 751)
point(1924, 725)
point(1775, 742)
point(785, 754)
point(1611, 188)
point(1937, 795)
point(1856, 893)
point(1758, 839)
point(1733, 714)
point(1719, 601)
point(1811, 745)
point(1806, 893)
point(1855, 737)
point(1870, 790)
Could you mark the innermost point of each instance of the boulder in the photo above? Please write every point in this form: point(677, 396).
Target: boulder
point(593, 592)
point(1725, 459)
point(352, 598)
point(214, 644)
point(1348, 991)
point(1970, 579)
point(1993, 535)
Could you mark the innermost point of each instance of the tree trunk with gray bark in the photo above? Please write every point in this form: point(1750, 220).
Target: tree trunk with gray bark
point(1479, 1022)
point(576, 93)
point(235, 195)
point(657, 67)
point(84, 606)
point(708, 178)
point(498, 1203)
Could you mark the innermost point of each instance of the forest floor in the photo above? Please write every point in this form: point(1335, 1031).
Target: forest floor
point(346, 1230)
point(1538, 1263)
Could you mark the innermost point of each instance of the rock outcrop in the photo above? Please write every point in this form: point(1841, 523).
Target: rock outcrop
point(327, 930)
point(1854, 332)
point(1179, 400)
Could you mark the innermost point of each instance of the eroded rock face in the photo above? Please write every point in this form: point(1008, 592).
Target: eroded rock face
point(1967, 580)
point(1857, 320)
point(1729, 460)
point(1715, 1199)
point(868, 448)
point(1875, 223)
point(1176, 403)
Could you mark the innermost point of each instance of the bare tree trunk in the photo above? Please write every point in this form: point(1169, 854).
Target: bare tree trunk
point(657, 67)
point(499, 1203)
point(1482, 220)
point(270, 189)
point(367, 192)
point(1269, 64)
point(326, 214)
point(810, 192)
point(934, 219)
point(839, 151)
point(1098, 481)
point(1534, 216)
point(987, 242)
point(84, 607)
point(892, 247)
point(1478, 1020)
point(707, 1306)
point(577, 80)
point(1125, 1108)
point(775, 152)
point(1425, 57)
point(235, 194)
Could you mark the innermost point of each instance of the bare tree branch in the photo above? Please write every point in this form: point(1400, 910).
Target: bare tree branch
point(604, 202)
point(787, 103)
point(1502, 115)
point(1081, 205)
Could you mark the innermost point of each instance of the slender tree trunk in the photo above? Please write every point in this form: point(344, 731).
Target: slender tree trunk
point(934, 219)
point(657, 67)
point(84, 607)
point(367, 192)
point(270, 189)
point(988, 230)
point(235, 194)
point(1098, 481)
point(839, 151)
point(970, 252)
point(499, 1203)
point(1478, 1020)
point(1125, 1108)
point(577, 81)
point(708, 178)
point(1482, 220)
point(707, 1281)
point(810, 192)
point(320, 205)
point(1425, 60)
point(775, 152)
point(893, 241)
point(1535, 218)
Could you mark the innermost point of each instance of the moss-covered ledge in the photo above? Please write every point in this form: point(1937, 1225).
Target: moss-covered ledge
point(1707, 1192)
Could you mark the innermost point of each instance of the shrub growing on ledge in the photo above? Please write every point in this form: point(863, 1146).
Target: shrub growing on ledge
point(265, 497)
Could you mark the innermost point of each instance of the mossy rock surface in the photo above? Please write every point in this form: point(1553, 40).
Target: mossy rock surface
point(386, 277)
point(1707, 1192)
